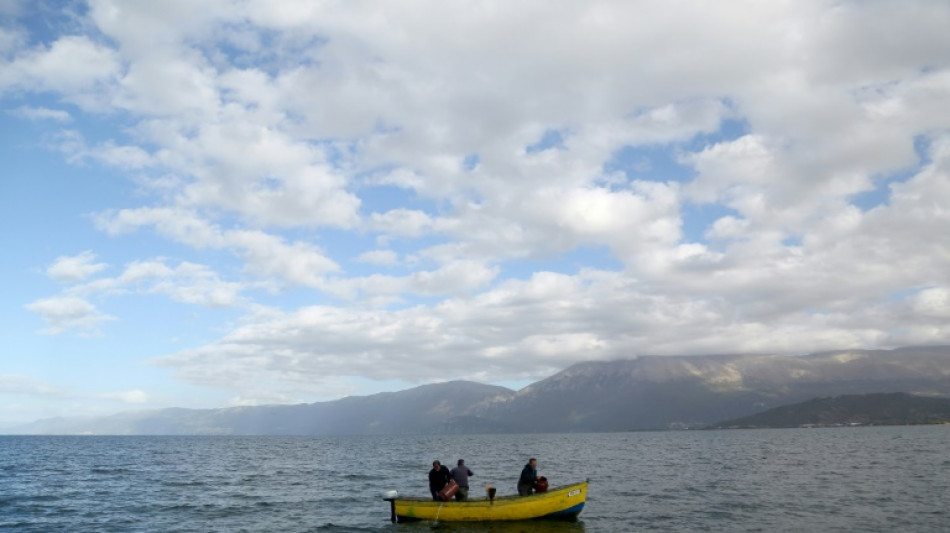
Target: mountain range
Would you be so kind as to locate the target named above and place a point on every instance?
(645, 392)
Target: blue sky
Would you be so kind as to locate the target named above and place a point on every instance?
(240, 203)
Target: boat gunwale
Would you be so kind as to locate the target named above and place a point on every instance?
(484, 499)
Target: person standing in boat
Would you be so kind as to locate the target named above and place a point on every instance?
(438, 478)
(460, 474)
(529, 478)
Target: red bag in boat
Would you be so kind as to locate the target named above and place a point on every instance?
(446, 493)
(541, 485)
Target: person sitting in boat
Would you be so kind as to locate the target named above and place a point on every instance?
(438, 478)
(460, 474)
(529, 478)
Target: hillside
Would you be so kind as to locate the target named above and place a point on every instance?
(857, 409)
(692, 391)
(425, 409)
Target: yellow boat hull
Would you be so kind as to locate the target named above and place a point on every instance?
(560, 503)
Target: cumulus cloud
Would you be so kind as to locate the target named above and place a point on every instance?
(68, 312)
(267, 255)
(74, 66)
(572, 318)
(264, 254)
(186, 283)
(74, 268)
(402, 223)
(123, 157)
(379, 257)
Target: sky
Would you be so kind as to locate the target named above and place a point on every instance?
(244, 202)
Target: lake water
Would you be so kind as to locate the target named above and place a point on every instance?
(844, 479)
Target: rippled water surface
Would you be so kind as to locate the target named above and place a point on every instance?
(848, 479)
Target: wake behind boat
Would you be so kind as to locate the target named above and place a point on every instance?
(557, 503)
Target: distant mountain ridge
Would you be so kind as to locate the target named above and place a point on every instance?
(879, 409)
(646, 392)
(425, 409)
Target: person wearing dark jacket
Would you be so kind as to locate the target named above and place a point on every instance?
(438, 478)
(460, 474)
(529, 478)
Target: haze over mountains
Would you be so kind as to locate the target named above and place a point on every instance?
(648, 392)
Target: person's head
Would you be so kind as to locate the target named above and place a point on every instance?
(533, 462)
(437, 465)
(461, 462)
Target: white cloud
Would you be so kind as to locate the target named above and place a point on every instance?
(74, 268)
(725, 167)
(297, 263)
(402, 223)
(43, 113)
(519, 330)
(380, 290)
(74, 66)
(933, 302)
(187, 283)
(134, 396)
(123, 157)
(178, 225)
(68, 312)
(379, 257)
(198, 285)
(264, 254)
(27, 386)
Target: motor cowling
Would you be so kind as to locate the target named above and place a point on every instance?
(542, 485)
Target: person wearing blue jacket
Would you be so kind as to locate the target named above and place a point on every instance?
(460, 474)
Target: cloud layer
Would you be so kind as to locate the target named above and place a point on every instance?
(493, 191)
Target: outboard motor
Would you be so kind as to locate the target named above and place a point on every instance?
(390, 496)
(542, 485)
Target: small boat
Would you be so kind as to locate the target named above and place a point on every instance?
(557, 503)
